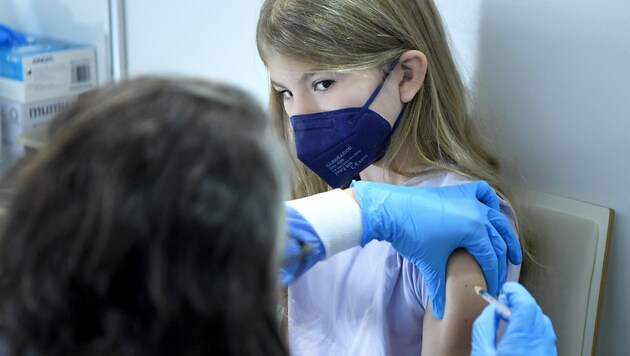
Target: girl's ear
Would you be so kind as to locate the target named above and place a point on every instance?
(414, 66)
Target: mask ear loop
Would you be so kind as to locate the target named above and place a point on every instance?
(377, 90)
(402, 111)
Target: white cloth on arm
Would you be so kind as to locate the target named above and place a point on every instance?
(335, 217)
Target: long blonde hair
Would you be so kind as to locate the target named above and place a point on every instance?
(435, 133)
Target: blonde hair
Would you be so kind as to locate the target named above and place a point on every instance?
(435, 133)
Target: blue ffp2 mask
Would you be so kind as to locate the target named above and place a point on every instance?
(339, 144)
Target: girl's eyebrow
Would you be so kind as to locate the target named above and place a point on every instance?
(276, 84)
(303, 78)
(306, 76)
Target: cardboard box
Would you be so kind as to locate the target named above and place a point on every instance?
(19, 117)
(45, 69)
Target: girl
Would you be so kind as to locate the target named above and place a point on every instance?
(369, 88)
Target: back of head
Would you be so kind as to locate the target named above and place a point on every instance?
(149, 225)
(345, 35)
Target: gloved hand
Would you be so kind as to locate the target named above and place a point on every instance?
(528, 332)
(425, 225)
(303, 248)
(10, 37)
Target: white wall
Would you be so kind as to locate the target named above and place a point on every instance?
(212, 39)
(554, 78)
(73, 20)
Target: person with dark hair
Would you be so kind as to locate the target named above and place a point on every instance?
(142, 228)
(153, 223)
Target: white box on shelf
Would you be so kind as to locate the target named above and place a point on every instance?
(46, 68)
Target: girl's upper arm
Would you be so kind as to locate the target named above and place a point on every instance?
(452, 334)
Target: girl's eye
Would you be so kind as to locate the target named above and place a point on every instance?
(324, 85)
(285, 94)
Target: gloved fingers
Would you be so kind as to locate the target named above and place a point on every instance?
(541, 323)
(525, 310)
(436, 288)
(286, 277)
(302, 249)
(529, 330)
(484, 251)
(362, 193)
(290, 262)
(500, 249)
(504, 228)
(295, 266)
(485, 332)
(486, 195)
(292, 250)
(371, 197)
(488, 320)
(517, 294)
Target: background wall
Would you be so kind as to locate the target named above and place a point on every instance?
(212, 39)
(554, 81)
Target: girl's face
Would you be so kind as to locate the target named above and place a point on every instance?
(305, 91)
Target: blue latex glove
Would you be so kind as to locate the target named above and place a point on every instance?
(425, 225)
(528, 332)
(303, 249)
(9, 37)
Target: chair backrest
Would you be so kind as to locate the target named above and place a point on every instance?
(569, 240)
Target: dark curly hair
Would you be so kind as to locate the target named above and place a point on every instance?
(149, 225)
